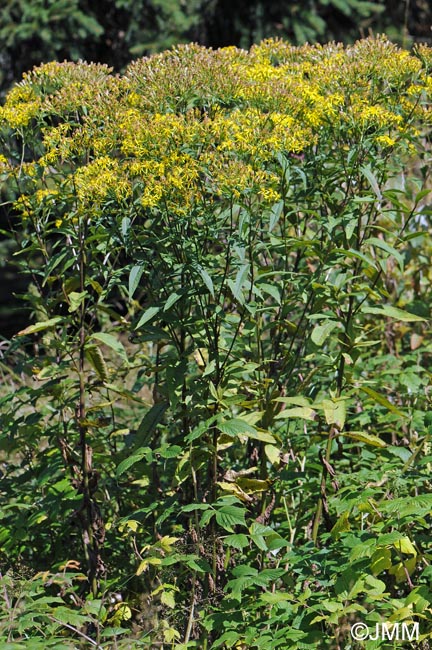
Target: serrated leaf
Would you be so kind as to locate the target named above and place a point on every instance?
(69, 616)
(235, 427)
(190, 507)
(239, 541)
(229, 516)
(276, 597)
(131, 460)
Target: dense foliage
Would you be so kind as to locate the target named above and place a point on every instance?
(219, 412)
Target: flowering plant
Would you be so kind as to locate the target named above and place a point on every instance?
(230, 374)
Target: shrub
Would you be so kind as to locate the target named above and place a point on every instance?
(221, 405)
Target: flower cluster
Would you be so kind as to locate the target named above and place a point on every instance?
(190, 126)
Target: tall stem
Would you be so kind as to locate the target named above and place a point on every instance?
(89, 510)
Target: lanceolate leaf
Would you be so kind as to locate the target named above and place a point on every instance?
(134, 278)
(112, 342)
(380, 243)
(394, 312)
(147, 316)
(95, 357)
(367, 438)
(380, 399)
(320, 333)
(41, 326)
(367, 171)
(149, 423)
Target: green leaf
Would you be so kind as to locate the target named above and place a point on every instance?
(394, 312)
(297, 400)
(112, 342)
(381, 560)
(320, 333)
(303, 412)
(96, 359)
(147, 316)
(239, 541)
(380, 399)
(275, 214)
(404, 545)
(229, 516)
(273, 454)
(335, 411)
(68, 615)
(136, 457)
(168, 599)
(380, 243)
(190, 507)
(235, 427)
(368, 438)
(367, 172)
(174, 297)
(240, 281)
(202, 428)
(420, 597)
(341, 526)
(207, 279)
(134, 278)
(149, 423)
(75, 300)
(41, 326)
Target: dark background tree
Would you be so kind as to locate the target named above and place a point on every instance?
(115, 31)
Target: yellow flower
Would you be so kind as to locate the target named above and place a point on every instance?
(385, 140)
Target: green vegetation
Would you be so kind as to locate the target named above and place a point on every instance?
(219, 411)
